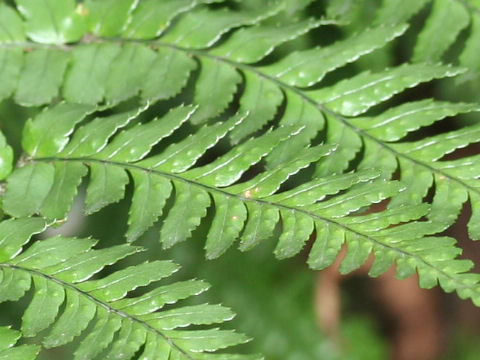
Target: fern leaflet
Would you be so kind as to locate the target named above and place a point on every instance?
(8, 338)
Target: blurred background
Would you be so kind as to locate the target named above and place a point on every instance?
(291, 312)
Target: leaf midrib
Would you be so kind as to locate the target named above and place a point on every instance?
(98, 302)
(261, 202)
(281, 84)
(339, 117)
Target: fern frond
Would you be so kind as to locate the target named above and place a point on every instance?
(283, 108)
(248, 210)
(66, 300)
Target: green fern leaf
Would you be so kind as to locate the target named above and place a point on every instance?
(34, 183)
(222, 81)
(265, 39)
(451, 15)
(66, 301)
(303, 68)
(151, 18)
(441, 32)
(53, 140)
(52, 22)
(356, 95)
(204, 27)
(397, 122)
(8, 338)
(352, 169)
(32, 83)
(107, 17)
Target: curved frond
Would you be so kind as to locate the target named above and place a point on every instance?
(284, 108)
(66, 300)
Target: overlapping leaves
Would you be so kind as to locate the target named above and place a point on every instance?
(8, 338)
(249, 210)
(443, 26)
(67, 300)
(155, 60)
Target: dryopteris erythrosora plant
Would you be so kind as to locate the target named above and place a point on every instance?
(94, 55)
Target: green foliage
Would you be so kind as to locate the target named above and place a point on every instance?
(449, 24)
(66, 300)
(8, 339)
(206, 110)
